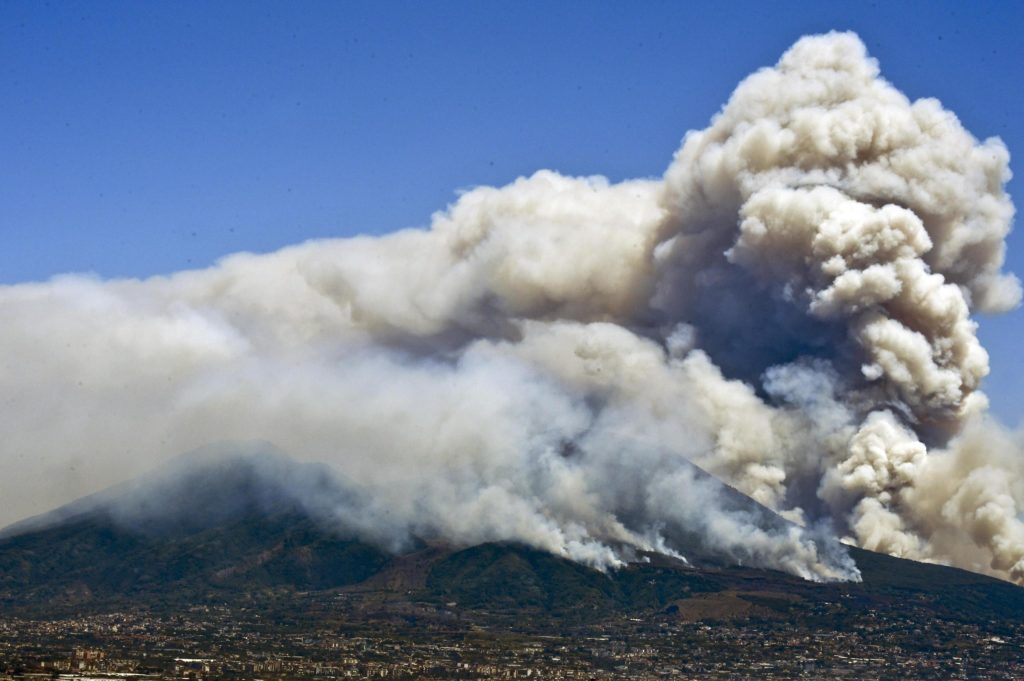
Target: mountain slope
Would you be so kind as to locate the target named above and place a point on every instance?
(507, 577)
(96, 560)
(232, 530)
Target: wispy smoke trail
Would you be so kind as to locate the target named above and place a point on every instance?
(788, 308)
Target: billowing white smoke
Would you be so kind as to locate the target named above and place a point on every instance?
(787, 308)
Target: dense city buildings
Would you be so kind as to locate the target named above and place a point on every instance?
(357, 635)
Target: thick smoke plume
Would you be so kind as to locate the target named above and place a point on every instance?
(787, 308)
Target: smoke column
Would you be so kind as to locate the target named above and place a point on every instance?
(787, 308)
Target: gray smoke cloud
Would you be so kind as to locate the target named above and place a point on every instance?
(787, 308)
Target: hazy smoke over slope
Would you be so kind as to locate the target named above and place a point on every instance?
(787, 308)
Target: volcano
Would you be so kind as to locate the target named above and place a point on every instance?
(231, 529)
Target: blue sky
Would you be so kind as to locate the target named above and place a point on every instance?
(144, 138)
